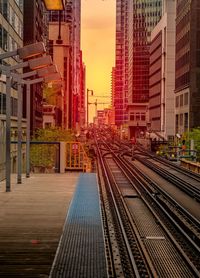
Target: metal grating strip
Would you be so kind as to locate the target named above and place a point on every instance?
(81, 250)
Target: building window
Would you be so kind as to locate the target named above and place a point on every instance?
(4, 8)
(177, 125)
(14, 107)
(2, 103)
(3, 38)
(181, 100)
(181, 119)
(186, 99)
(137, 116)
(185, 121)
(177, 101)
(132, 117)
(48, 125)
(143, 118)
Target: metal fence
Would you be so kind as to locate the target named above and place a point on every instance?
(44, 157)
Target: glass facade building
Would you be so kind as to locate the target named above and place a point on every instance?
(146, 14)
(187, 72)
(135, 20)
(121, 62)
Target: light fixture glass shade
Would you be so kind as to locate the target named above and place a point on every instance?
(54, 77)
(47, 70)
(31, 50)
(54, 5)
(40, 62)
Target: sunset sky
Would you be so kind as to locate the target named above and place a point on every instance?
(98, 45)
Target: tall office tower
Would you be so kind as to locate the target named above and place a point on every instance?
(162, 73)
(187, 82)
(113, 87)
(143, 16)
(72, 16)
(82, 104)
(11, 38)
(121, 63)
(76, 33)
(35, 30)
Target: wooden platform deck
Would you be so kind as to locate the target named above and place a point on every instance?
(32, 216)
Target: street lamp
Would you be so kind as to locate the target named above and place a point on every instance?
(34, 64)
(18, 78)
(39, 63)
(54, 5)
(25, 52)
(49, 78)
(47, 70)
(88, 104)
(53, 77)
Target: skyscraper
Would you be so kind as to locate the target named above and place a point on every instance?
(162, 73)
(121, 63)
(72, 15)
(187, 76)
(143, 16)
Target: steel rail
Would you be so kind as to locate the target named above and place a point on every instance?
(119, 219)
(153, 198)
(186, 172)
(131, 256)
(190, 189)
(158, 190)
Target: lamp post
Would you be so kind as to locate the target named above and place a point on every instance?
(26, 52)
(88, 104)
(49, 78)
(43, 72)
(54, 5)
(19, 121)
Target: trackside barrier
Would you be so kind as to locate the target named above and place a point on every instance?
(75, 157)
(193, 166)
(52, 157)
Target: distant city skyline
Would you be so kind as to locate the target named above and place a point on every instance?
(98, 44)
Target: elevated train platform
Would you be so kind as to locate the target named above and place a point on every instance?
(50, 226)
(81, 250)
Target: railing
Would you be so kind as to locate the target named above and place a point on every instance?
(44, 157)
(48, 157)
(193, 166)
(76, 157)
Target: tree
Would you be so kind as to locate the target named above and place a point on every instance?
(51, 92)
(194, 134)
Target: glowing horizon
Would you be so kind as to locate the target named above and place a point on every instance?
(98, 45)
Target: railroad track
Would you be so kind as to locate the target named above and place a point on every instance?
(157, 236)
(167, 163)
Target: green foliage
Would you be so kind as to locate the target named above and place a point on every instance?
(45, 155)
(194, 134)
(53, 134)
(50, 93)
